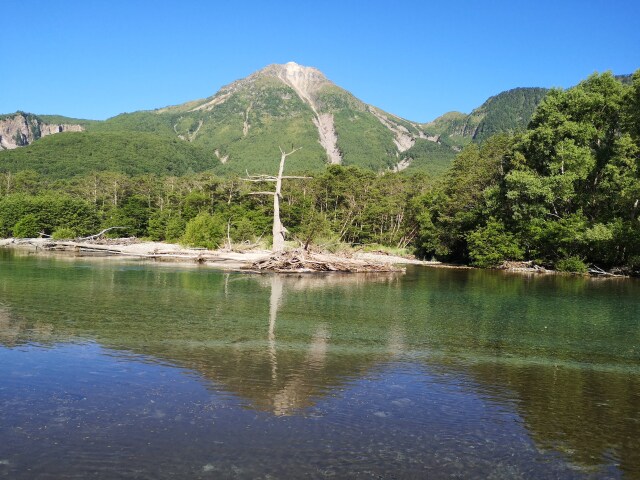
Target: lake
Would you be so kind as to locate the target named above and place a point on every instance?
(112, 369)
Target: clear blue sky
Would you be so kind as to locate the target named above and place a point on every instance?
(416, 59)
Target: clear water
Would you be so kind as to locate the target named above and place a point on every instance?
(133, 370)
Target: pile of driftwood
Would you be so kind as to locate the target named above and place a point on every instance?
(301, 261)
(526, 267)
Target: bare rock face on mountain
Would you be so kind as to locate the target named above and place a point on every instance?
(21, 129)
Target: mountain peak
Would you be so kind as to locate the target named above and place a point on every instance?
(306, 81)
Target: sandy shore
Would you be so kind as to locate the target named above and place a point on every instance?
(170, 252)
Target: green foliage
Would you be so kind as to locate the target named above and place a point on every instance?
(313, 226)
(63, 233)
(51, 212)
(77, 153)
(135, 215)
(491, 245)
(243, 230)
(174, 229)
(429, 157)
(572, 265)
(27, 227)
(507, 112)
(565, 190)
(205, 230)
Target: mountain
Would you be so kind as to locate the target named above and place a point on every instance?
(244, 123)
(509, 111)
(241, 127)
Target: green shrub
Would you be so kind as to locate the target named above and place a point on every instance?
(205, 230)
(27, 227)
(174, 229)
(243, 231)
(572, 265)
(491, 245)
(63, 233)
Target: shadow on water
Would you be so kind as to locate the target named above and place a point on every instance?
(559, 355)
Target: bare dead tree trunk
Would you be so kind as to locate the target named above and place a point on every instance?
(278, 230)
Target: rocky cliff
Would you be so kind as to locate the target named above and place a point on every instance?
(20, 129)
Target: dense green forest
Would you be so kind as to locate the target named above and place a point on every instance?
(66, 155)
(564, 193)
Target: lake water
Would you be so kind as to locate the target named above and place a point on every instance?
(133, 370)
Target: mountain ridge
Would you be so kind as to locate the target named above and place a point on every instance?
(241, 126)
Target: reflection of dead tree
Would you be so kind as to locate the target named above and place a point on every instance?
(296, 389)
(279, 231)
(274, 304)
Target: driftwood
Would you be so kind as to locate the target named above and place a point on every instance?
(101, 233)
(525, 267)
(598, 272)
(299, 261)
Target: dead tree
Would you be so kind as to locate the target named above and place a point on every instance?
(279, 231)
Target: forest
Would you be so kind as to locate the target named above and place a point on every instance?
(564, 193)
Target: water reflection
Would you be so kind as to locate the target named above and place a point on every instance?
(592, 418)
(294, 394)
(558, 357)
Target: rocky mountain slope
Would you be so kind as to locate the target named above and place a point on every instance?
(20, 129)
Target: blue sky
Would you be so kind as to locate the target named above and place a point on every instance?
(416, 59)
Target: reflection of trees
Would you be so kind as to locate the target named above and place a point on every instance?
(298, 374)
(14, 331)
(590, 415)
(9, 330)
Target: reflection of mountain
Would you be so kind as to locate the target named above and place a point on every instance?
(277, 368)
(561, 352)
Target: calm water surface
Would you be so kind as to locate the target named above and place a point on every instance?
(130, 370)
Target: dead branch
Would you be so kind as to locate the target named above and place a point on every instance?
(99, 234)
(259, 179)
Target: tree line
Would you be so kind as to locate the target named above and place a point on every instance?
(565, 193)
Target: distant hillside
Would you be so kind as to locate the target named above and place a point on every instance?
(69, 154)
(508, 111)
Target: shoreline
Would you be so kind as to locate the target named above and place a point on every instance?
(243, 261)
(223, 259)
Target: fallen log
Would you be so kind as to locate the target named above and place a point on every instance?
(99, 234)
(598, 272)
